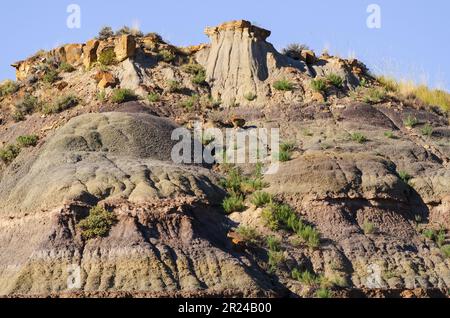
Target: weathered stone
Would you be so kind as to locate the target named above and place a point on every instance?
(90, 53)
(125, 47)
(61, 85)
(108, 80)
(73, 53)
(308, 56)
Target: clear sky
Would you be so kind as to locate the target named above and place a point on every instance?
(413, 41)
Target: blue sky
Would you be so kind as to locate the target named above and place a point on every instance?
(413, 42)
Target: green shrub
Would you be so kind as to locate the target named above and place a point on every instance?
(305, 277)
(283, 85)
(287, 146)
(173, 86)
(233, 203)
(410, 122)
(429, 234)
(375, 95)
(18, 116)
(273, 244)
(199, 78)
(98, 223)
(166, 56)
(107, 57)
(359, 138)
(324, 293)
(368, 228)
(153, 98)
(427, 130)
(233, 181)
(122, 95)
(335, 80)
(60, 105)
(405, 176)
(27, 141)
(319, 85)
(7, 88)
(275, 260)
(440, 238)
(190, 102)
(50, 76)
(284, 156)
(446, 251)
(294, 50)
(9, 153)
(389, 134)
(248, 234)
(101, 96)
(105, 33)
(309, 235)
(27, 105)
(261, 199)
(250, 96)
(192, 68)
(66, 67)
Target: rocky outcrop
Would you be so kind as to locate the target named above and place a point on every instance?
(240, 62)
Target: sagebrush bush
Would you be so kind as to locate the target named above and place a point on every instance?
(261, 199)
(192, 68)
(319, 85)
(335, 80)
(61, 104)
(233, 203)
(368, 228)
(359, 138)
(27, 141)
(199, 78)
(8, 87)
(411, 122)
(284, 156)
(50, 76)
(283, 85)
(248, 234)
(66, 67)
(324, 292)
(275, 260)
(105, 33)
(153, 97)
(97, 224)
(427, 130)
(9, 153)
(122, 95)
(190, 102)
(27, 105)
(173, 86)
(107, 57)
(166, 56)
(389, 134)
(375, 95)
(305, 277)
(446, 251)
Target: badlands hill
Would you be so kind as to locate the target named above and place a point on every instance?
(91, 203)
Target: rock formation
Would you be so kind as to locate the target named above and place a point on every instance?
(365, 168)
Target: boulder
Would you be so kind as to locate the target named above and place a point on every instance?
(73, 53)
(308, 56)
(125, 47)
(108, 80)
(90, 53)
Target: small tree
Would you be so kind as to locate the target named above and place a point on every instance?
(294, 50)
(105, 33)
